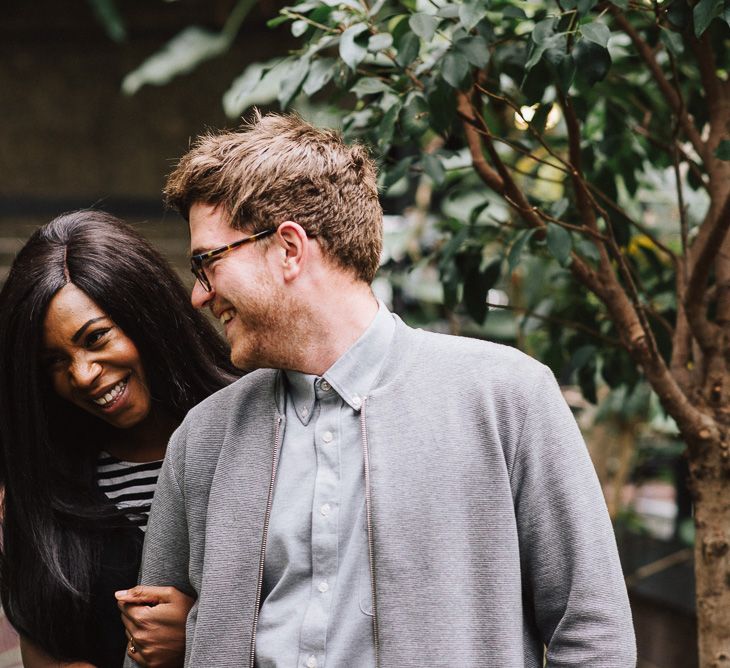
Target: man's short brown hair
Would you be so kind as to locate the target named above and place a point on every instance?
(279, 167)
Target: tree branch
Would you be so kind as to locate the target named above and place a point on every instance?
(474, 142)
(528, 313)
(666, 88)
(704, 331)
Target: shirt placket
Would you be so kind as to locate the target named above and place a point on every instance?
(325, 514)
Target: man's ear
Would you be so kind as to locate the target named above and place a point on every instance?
(293, 248)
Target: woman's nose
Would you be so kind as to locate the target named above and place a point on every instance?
(84, 372)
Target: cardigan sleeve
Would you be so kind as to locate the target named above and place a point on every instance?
(165, 557)
(571, 569)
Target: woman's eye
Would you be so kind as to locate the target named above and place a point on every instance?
(96, 336)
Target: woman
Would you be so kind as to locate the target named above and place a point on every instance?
(101, 356)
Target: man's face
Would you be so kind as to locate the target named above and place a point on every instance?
(245, 295)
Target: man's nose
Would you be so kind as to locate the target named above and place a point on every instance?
(84, 372)
(199, 298)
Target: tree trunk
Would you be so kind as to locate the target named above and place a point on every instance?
(710, 475)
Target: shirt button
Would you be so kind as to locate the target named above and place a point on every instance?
(312, 662)
(325, 509)
(325, 386)
(304, 412)
(356, 401)
(327, 437)
(323, 587)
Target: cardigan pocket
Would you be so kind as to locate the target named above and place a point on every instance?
(364, 589)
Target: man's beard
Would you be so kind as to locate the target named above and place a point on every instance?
(270, 329)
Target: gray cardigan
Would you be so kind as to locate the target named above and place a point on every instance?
(490, 535)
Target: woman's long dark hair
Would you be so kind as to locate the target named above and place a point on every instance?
(53, 515)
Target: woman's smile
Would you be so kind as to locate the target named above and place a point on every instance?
(91, 362)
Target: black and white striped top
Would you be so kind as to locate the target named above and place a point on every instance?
(129, 485)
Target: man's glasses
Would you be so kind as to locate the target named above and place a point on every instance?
(197, 262)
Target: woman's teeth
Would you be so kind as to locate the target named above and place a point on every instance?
(226, 316)
(112, 394)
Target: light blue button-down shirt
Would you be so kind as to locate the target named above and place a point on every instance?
(317, 605)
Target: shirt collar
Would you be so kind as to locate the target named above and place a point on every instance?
(353, 374)
(300, 388)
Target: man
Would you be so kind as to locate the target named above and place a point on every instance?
(372, 495)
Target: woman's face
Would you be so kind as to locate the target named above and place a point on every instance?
(91, 362)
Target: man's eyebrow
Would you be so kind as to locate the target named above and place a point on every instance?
(84, 327)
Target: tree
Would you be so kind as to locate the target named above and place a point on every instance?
(558, 115)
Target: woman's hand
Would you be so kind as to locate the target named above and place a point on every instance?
(154, 618)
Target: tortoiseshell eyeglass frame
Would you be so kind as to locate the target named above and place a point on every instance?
(197, 262)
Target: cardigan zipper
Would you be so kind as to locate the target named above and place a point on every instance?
(371, 542)
(262, 556)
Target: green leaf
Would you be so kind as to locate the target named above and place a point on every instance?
(587, 381)
(350, 51)
(414, 116)
(291, 84)
(592, 61)
(704, 12)
(397, 172)
(182, 54)
(543, 31)
(424, 25)
(559, 243)
(370, 86)
(380, 42)
(442, 107)
(539, 119)
(298, 28)
(107, 13)
(386, 128)
(433, 167)
(673, 41)
(722, 152)
(621, 4)
(408, 49)
(450, 248)
(470, 13)
(352, 4)
(454, 69)
(277, 21)
(320, 74)
(557, 209)
(304, 7)
(585, 6)
(515, 252)
(474, 49)
(679, 14)
(561, 65)
(582, 356)
(258, 84)
(596, 32)
(477, 285)
(536, 52)
(512, 12)
(448, 11)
